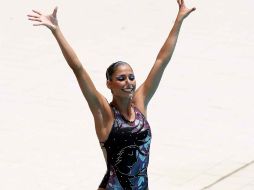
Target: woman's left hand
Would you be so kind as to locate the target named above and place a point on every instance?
(183, 10)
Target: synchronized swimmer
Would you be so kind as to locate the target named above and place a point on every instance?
(121, 125)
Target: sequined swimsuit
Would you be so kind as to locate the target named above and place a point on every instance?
(127, 153)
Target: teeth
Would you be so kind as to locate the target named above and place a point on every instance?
(128, 90)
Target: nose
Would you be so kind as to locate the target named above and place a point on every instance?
(130, 83)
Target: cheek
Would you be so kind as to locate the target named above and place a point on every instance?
(116, 88)
(117, 85)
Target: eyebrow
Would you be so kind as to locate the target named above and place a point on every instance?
(125, 74)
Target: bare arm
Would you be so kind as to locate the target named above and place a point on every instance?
(93, 97)
(148, 88)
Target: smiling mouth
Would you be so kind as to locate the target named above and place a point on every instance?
(129, 90)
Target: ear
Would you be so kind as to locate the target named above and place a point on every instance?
(108, 84)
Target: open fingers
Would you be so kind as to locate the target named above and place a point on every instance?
(180, 2)
(37, 24)
(34, 19)
(39, 13)
(32, 16)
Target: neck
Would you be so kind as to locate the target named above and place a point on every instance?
(124, 105)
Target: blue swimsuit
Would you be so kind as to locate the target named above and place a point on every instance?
(127, 153)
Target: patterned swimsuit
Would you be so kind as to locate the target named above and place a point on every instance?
(127, 153)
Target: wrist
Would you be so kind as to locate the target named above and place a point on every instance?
(55, 29)
(179, 18)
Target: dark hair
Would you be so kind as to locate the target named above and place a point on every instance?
(111, 69)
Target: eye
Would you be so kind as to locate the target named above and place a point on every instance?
(121, 78)
(131, 77)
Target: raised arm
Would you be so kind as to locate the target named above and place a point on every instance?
(92, 96)
(148, 88)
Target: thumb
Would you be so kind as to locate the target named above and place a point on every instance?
(55, 11)
(192, 9)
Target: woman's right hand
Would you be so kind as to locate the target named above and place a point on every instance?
(49, 21)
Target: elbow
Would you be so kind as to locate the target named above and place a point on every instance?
(76, 68)
(75, 65)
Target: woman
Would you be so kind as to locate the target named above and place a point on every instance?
(121, 125)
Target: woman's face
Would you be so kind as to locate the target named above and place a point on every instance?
(123, 83)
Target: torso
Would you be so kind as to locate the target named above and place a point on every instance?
(126, 151)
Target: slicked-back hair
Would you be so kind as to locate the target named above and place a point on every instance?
(112, 68)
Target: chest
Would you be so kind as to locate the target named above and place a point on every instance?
(129, 134)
